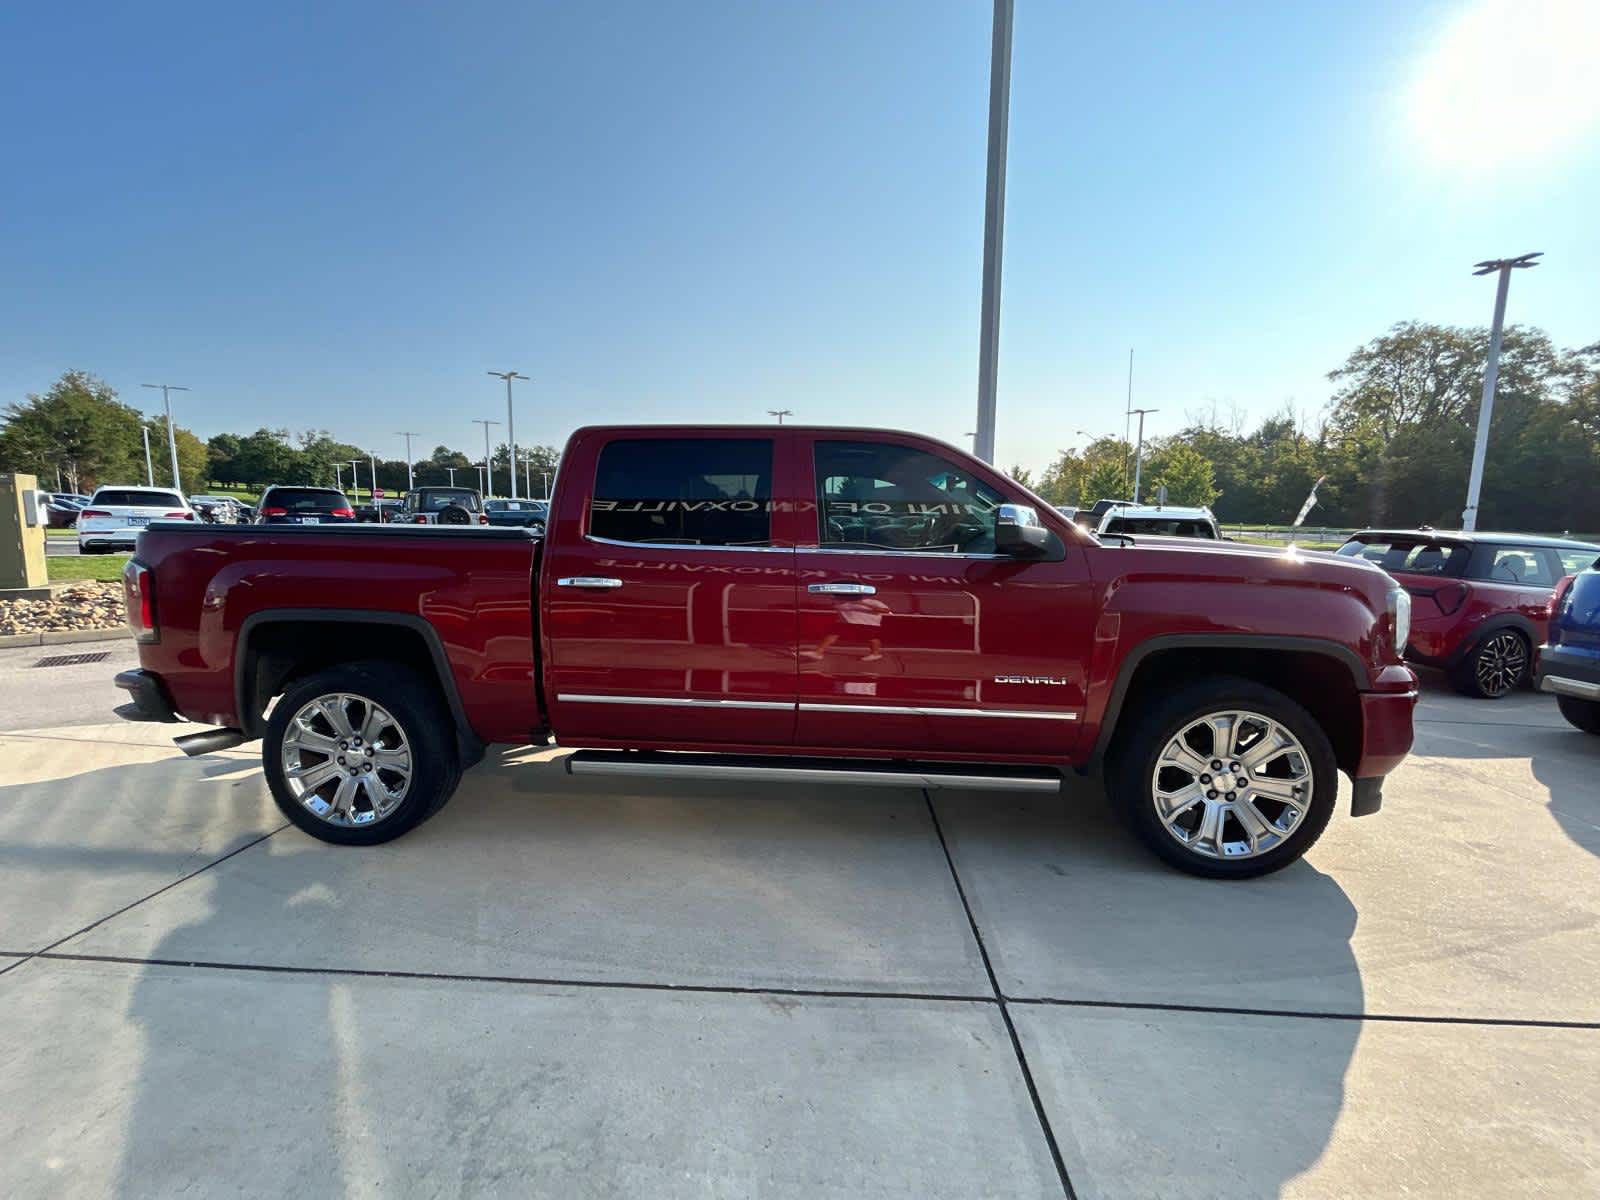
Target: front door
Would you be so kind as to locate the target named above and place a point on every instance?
(915, 635)
(671, 618)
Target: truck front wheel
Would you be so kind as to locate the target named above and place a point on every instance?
(1226, 778)
(359, 754)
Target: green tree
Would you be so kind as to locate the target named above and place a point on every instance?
(1185, 473)
(78, 428)
(1103, 480)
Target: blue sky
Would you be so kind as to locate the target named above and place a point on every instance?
(341, 215)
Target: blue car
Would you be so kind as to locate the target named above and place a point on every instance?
(1569, 664)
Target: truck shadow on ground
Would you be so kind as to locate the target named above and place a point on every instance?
(529, 872)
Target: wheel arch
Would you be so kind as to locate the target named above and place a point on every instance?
(275, 647)
(1324, 677)
(1498, 623)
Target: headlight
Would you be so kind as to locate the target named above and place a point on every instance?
(1400, 614)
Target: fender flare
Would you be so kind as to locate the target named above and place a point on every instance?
(468, 743)
(1498, 623)
(1340, 653)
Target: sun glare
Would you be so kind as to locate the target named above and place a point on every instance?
(1509, 81)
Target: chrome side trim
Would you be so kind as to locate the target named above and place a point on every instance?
(933, 781)
(674, 701)
(897, 710)
(1561, 685)
(605, 541)
(890, 550)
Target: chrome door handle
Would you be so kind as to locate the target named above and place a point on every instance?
(842, 589)
(589, 581)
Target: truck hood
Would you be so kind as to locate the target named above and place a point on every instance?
(1185, 555)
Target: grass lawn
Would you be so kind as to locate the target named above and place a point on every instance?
(64, 568)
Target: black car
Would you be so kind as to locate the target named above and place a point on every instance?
(288, 505)
(526, 514)
(379, 512)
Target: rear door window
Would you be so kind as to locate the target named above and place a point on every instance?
(115, 498)
(882, 496)
(1529, 565)
(684, 491)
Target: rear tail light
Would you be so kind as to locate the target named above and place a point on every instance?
(419, 519)
(483, 518)
(274, 512)
(1450, 597)
(139, 597)
(344, 512)
(181, 516)
(93, 512)
(1559, 596)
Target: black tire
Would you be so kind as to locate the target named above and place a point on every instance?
(1583, 714)
(454, 514)
(1482, 673)
(416, 708)
(1131, 774)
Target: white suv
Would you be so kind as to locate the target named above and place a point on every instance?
(114, 516)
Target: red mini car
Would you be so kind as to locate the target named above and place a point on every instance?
(1479, 600)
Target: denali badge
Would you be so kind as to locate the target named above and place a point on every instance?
(1050, 679)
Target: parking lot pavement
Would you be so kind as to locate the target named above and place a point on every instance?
(558, 987)
(32, 697)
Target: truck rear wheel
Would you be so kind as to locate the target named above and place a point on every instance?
(359, 754)
(1226, 778)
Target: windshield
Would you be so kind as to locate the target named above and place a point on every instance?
(1161, 527)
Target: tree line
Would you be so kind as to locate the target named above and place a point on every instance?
(1394, 441)
(78, 435)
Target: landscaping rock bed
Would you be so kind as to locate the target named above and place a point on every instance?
(79, 606)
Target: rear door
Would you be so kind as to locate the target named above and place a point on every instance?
(915, 635)
(668, 592)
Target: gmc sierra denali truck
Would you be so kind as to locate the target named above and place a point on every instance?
(833, 606)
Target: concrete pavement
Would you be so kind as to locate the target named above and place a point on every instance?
(561, 988)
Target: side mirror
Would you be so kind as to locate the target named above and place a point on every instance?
(1017, 532)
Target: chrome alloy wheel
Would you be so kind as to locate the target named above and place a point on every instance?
(1502, 661)
(346, 759)
(1232, 785)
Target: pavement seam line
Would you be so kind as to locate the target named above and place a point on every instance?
(1000, 1003)
(1309, 1015)
(519, 980)
(135, 904)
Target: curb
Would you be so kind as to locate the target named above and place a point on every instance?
(62, 637)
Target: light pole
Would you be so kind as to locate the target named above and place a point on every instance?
(1126, 417)
(355, 476)
(408, 435)
(373, 460)
(1138, 462)
(994, 223)
(511, 427)
(452, 471)
(172, 438)
(780, 413)
(1491, 375)
(545, 475)
(488, 461)
(338, 476)
(149, 470)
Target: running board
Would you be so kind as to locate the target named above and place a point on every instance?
(759, 768)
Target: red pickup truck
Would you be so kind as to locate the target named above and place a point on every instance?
(843, 606)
